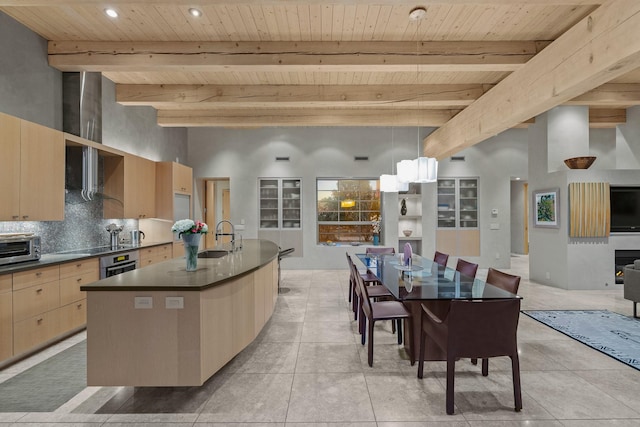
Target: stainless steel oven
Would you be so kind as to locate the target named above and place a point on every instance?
(118, 263)
(19, 247)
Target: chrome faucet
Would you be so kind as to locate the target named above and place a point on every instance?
(219, 232)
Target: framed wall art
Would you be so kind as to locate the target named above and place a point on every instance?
(546, 208)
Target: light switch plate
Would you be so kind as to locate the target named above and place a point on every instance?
(494, 226)
(174, 302)
(143, 302)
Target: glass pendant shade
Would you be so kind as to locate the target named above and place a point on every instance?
(427, 169)
(390, 184)
(407, 171)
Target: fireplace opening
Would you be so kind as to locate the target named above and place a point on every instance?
(622, 258)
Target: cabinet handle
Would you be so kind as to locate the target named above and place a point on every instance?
(79, 280)
(15, 216)
(78, 265)
(39, 320)
(39, 273)
(38, 290)
(79, 305)
(25, 216)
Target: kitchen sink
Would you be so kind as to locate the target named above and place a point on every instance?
(212, 254)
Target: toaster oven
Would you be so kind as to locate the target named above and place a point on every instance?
(16, 247)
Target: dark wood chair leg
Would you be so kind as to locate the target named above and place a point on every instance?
(517, 392)
(474, 361)
(370, 350)
(635, 307)
(421, 354)
(361, 326)
(485, 367)
(399, 330)
(451, 367)
(408, 333)
(350, 288)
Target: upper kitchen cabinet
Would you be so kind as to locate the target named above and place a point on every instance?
(129, 187)
(174, 186)
(31, 171)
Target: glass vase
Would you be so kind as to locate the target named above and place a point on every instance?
(191, 246)
(376, 239)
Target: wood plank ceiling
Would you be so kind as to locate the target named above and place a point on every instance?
(249, 63)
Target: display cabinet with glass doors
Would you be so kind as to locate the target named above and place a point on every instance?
(280, 203)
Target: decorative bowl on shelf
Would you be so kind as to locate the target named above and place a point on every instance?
(407, 233)
(583, 162)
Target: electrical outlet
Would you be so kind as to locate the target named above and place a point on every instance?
(174, 302)
(143, 302)
(497, 255)
(547, 275)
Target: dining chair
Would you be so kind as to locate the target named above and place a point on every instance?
(474, 329)
(507, 282)
(379, 250)
(379, 310)
(467, 268)
(441, 258)
(375, 291)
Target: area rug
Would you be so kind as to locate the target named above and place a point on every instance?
(47, 385)
(611, 333)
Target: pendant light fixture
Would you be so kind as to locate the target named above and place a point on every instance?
(423, 169)
(390, 183)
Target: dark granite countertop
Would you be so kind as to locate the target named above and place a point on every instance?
(171, 275)
(74, 255)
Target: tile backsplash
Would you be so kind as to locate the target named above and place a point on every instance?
(83, 226)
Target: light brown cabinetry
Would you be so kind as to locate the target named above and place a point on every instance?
(130, 184)
(155, 254)
(31, 171)
(73, 301)
(37, 306)
(174, 184)
(178, 249)
(6, 317)
(36, 298)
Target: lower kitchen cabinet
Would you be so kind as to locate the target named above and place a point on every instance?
(73, 315)
(6, 317)
(178, 249)
(35, 300)
(76, 274)
(34, 331)
(155, 254)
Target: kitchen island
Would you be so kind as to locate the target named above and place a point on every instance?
(164, 326)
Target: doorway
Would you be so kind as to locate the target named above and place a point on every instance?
(217, 207)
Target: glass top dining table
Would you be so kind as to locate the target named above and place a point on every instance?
(426, 280)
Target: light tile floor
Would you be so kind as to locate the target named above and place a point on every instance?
(308, 367)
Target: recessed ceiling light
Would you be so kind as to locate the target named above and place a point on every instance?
(417, 13)
(111, 13)
(195, 12)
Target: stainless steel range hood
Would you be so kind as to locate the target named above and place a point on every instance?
(82, 116)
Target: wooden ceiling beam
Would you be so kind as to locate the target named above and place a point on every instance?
(607, 117)
(602, 46)
(609, 95)
(303, 117)
(288, 2)
(292, 56)
(287, 96)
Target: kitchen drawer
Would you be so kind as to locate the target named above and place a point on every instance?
(35, 331)
(71, 269)
(70, 286)
(178, 249)
(35, 300)
(6, 326)
(5, 283)
(73, 315)
(155, 254)
(25, 279)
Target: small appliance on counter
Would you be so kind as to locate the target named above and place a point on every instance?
(114, 230)
(135, 237)
(19, 247)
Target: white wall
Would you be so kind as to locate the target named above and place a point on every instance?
(555, 259)
(245, 155)
(518, 196)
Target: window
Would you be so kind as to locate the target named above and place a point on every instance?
(346, 208)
